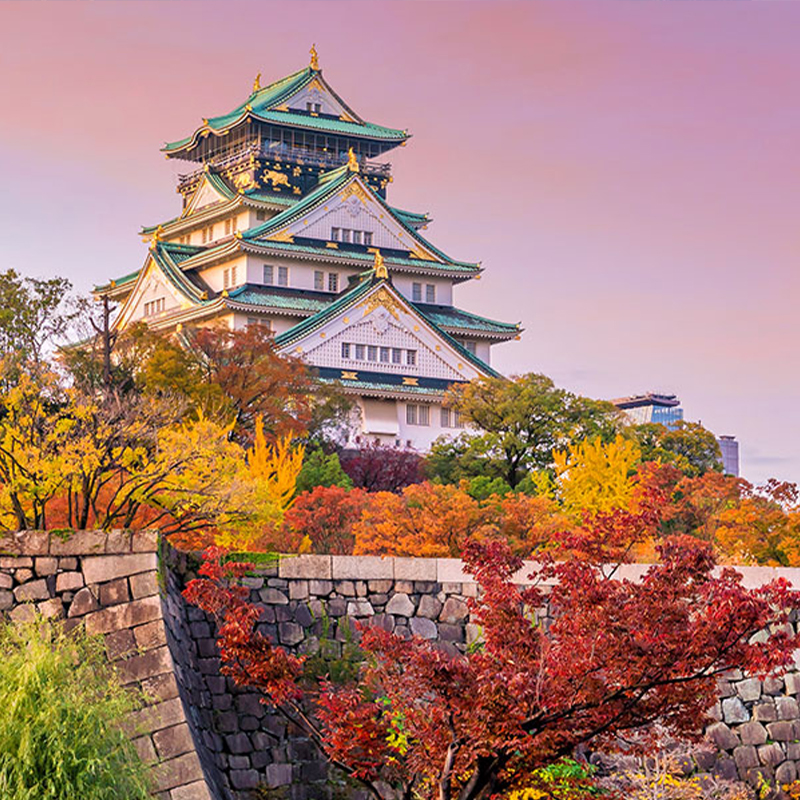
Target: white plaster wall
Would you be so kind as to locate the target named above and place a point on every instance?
(301, 275)
(214, 276)
(444, 287)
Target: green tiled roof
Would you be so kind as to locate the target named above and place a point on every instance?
(262, 106)
(410, 217)
(329, 184)
(273, 297)
(451, 317)
(366, 386)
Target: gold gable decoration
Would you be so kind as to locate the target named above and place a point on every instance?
(257, 83)
(314, 58)
(382, 298)
(380, 266)
(281, 236)
(352, 161)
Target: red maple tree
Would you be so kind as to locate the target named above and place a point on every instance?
(610, 658)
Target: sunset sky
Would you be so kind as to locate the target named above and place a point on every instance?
(627, 172)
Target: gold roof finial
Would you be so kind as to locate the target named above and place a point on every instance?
(352, 161)
(314, 57)
(257, 83)
(380, 266)
(156, 237)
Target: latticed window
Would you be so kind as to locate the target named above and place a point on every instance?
(319, 280)
(333, 281)
(416, 292)
(430, 293)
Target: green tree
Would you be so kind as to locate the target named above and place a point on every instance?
(60, 713)
(517, 424)
(689, 446)
(320, 469)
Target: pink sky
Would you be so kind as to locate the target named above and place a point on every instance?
(627, 172)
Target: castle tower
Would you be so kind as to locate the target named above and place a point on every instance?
(285, 222)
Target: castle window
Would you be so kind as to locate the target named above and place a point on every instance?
(155, 307)
(283, 276)
(368, 238)
(470, 345)
(333, 281)
(269, 274)
(430, 293)
(416, 292)
(372, 353)
(346, 235)
(385, 355)
(445, 417)
(418, 414)
(457, 421)
(359, 352)
(356, 237)
(424, 415)
(317, 108)
(411, 358)
(345, 350)
(208, 234)
(411, 414)
(336, 234)
(228, 225)
(397, 356)
(261, 215)
(319, 280)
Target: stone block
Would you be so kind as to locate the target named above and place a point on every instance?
(749, 689)
(174, 741)
(337, 607)
(15, 562)
(773, 686)
(244, 778)
(23, 613)
(160, 687)
(451, 633)
(239, 743)
(733, 710)
(454, 611)
(115, 592)
(346, 588)
(473, 632)
(45, 565)
(127, 615)
(100, 569)
(752, 733)
(137, 668)
(722, 736)
(771, 755)
(401, 605)
(290, 633)
(415, 569)
(725, 768)
(765, 711)
(118, 541)
(420, 626)
(380, 586)
(51, 609)
(6, 599)
(361, 568)
(80, 543)
(178, 771)
(793, 751)
(305, 566)
(451, 570)
(26, 543)
(785, 773)
(145, 541)
(360, 608)
(69, 581)
(150, 635)
(745, 757)
(428, 607)
(787, 708)
(320, 588)
(23, 575)
(792, 681)
(273, 597)
(84, 602)
(782, 731)
(33, 590)
(156, 717)
(6, 581)
(120, 644)
(144, 747)
(279, 775)
(192, 791)
(144, 584)
(298, 590)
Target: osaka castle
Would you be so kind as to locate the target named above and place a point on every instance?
(285, 221)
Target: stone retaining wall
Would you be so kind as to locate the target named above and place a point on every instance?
(213, 741)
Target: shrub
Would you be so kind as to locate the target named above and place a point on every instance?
(60, 707)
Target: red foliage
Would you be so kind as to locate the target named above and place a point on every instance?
(326, 515)
(617, 656)
(378, 468)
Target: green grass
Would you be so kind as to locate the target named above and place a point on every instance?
(60, 714)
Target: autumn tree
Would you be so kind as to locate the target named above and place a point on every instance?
(689, 446)
(516, 424)
(378, 467)
(322, 469)
(617, 657)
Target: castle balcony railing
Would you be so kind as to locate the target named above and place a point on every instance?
(284, 152)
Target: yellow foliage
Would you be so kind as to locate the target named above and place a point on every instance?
(595, 477)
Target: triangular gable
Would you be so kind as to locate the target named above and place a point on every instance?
(322, 98)
(154, 282)
(381, 317)
(348, 204)
(207, 193)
